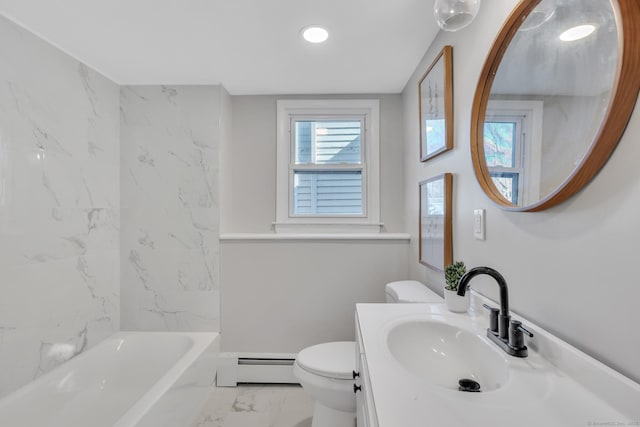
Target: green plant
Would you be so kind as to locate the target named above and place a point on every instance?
(453, 273)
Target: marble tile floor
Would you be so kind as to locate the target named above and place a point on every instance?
(257, 406)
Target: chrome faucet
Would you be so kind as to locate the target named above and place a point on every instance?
(507, 334)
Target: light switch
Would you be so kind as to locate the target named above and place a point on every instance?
(478, 224)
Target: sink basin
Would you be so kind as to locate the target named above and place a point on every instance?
(443, 354)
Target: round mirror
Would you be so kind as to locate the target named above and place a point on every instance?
(554, 98)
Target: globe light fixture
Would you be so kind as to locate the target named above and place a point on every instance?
(453, 15)
(543, 12)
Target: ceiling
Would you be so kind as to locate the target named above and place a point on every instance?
(537, 62)
(249, 46)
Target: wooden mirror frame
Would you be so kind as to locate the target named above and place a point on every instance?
(624, 94)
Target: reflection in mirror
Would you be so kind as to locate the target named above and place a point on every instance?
(567, 82)
(512, 148)
(546, 98)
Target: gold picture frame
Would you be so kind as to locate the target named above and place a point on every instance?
(435, 106)
(435, 247)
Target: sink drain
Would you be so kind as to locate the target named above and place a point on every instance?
(466, 384)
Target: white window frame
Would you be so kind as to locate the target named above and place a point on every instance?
(529, 149)
(367, 110)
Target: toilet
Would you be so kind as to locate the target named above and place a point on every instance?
(325, 371)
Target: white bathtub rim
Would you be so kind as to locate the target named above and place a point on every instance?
(27, 388)
(201, 341)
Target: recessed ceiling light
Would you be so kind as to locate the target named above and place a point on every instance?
(577, 33)
(314, 34)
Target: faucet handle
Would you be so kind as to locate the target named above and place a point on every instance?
(516, 339)
(518, 325)
(493, 318)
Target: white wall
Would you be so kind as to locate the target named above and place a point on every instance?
(170, 208)
(59, 207)
(573, 268)
(281, 296)
(284, 296)
(251, 162)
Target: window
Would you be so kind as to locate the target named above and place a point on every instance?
(328, 166)
(327, 170)
(512, 140)
(503, 148)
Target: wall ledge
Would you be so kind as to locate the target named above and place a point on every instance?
(398, 237)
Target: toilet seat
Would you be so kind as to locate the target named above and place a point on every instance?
(334, 360)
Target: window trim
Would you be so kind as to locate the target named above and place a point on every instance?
(530, 142)
(287, 111)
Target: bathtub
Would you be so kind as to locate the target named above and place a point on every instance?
(140, 379)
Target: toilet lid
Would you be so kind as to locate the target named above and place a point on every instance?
(331, 360)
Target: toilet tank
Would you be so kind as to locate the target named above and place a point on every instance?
(407, 291)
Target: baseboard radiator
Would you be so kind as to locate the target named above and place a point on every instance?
(239, 368)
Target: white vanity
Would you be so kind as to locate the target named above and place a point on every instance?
(410, 358)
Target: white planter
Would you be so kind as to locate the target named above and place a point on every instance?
(455, 302)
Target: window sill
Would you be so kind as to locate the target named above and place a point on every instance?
(327, 227)
(398, 237)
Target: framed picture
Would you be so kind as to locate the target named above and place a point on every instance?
(435, 247)
(435, 106)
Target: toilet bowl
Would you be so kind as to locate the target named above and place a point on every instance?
(325, 371)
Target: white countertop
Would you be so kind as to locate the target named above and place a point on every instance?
(556, 385)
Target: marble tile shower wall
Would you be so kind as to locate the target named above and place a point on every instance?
(59, 207)
(169, 208)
